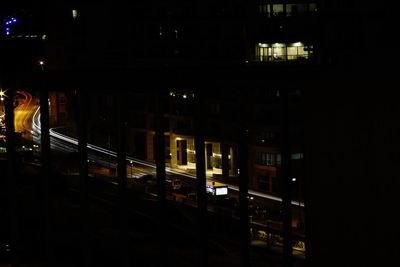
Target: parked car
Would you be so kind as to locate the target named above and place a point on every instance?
(174, 184)
(147, 179)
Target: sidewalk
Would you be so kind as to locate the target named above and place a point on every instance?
(277, 249)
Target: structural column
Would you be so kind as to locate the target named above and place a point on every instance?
(11, 182)
(46, 169)
(122, 179)
(161, 176)
(286, 182)
(244, 184)
(225, 159)
(201, 181)
(83, 171)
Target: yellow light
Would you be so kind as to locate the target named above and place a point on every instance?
(278, 45)
(74, 13)
(191, 151)
(41, 62)
(297, 44)
(2, 94)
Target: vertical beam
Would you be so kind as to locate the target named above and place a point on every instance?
(200, 180)
(225, 159)
(121, 177)
(244, 184)
(286, 182)
(46, 166)
(11, 183)
(161, 177)
(83, 171)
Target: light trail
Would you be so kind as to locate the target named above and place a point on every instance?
(28, 98)
(74, 141)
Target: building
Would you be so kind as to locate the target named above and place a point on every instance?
(317, 53)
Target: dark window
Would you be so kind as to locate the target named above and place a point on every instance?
(264, 182)
(267, 159)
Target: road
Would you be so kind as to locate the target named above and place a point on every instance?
(101, 155)
(102, 159)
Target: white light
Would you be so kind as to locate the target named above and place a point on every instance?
(294, 179)
(191, 151)
(297, 44)
(184, 96)
(278, 45)
(220, 191)
(74, 13)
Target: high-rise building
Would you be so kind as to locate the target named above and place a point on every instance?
(300, 78)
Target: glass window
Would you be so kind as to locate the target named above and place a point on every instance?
(277, 10)
(282, 52)
(295, 9)
(312, 7)
(263, 183)
(74, 13)
(278, 159)
(292, 52)
(267, 159)
(297, 156)
(263, 52)
(278, 51)
(265, 9)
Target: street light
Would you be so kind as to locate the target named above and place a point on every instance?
(41, 63)
(2, 95)
(300, 221)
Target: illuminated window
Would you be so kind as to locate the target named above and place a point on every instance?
(264, 9)
(283, 52)
(278, 159)
(74, 13)
(298, 51)
(278, 51)
(297, 156)
(277, 10)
